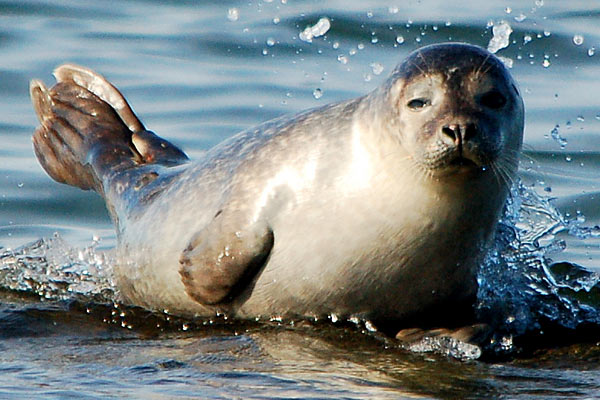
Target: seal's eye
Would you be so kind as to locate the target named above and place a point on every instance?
(493, 99)
(417, 104)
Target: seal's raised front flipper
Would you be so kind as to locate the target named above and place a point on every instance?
(221, 261)
(88, 131)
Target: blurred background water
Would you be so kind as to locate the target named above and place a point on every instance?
(199, 71)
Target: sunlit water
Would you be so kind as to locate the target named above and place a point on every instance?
(197, 73)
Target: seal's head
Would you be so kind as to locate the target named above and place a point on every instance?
(457, 110)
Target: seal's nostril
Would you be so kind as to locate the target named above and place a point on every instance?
(469, 132)
(460, 133)
(453, 132)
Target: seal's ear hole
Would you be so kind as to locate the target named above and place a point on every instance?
(418, 104)
(493, 99)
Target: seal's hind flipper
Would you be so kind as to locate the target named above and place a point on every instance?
(88, 131)
(102, 88)
(157, 150)
(79, 137)
(221, 261)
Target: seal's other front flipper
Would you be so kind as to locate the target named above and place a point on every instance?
(221, 261)
(88, 131)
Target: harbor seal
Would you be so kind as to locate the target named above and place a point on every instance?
(379, 207)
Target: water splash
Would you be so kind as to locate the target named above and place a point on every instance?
(54, 270)
(501, 37)
(520, 287)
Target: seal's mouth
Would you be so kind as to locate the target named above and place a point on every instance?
(462, 165)
(463, 162)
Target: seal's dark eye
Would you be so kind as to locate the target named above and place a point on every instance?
(493, 100)
(417, 104)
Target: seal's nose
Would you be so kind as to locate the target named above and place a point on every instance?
(459, 133)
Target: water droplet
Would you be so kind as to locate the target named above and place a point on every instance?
(360, 46)
(276, 20)
(578, 40)
(335, 45)
(546, 63)
(369, 14)
(393, 10)
(233, 14)
(374, 40)
(521, 17)
(370, 327)
(318, 29)
(591, 51)
(527, 39)
(507, 61)
(434, 28)
(568, 159)
(539, 3)
(20, 185)
(547, 33)
(508, 10)
(270, 42)
(317, 93)
(506, 342)
(265, 52)
(334, 318)
(399, 39)
(377, 68)
(501, 37)
(580, 118)
(555, 134)
(343, 59)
